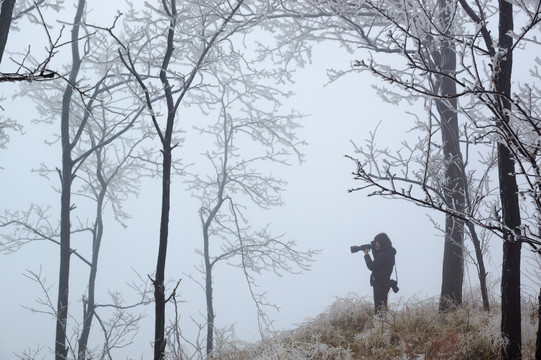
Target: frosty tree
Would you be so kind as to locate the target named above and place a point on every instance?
(93, 114)
(446, 55)
(250, 134)
(357, 25)
(482, 77)
(167, 51)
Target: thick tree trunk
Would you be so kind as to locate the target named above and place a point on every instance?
(511, 309)
(453, 264)
(454, 191)
(510, 283)
(6, 14)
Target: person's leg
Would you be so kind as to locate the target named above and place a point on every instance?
(376, 300)
(384, 296)
(380, 299)
(381, 294)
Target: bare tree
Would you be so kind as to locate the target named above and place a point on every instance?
(444, 58)
(66, 175)
(78, 129)
(491, 94)
(107, 164)
(357, 25)
(450, 55)
(249, 135)
(180, 41)
(112, 175)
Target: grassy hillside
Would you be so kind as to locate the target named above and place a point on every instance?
(411, 330)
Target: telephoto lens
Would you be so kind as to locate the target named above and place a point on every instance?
(363, 247)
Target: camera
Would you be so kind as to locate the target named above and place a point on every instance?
(364, 247)
(394, 285)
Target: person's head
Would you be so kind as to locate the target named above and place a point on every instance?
(382, 241)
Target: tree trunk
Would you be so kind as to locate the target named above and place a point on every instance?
(97, 236)
(454, 190)
(61, 351)
(453, 264)
(510, 283)
(159, 281)
(208, 273)
(63, 282)
(538, 341)
(511, 309)
(481, 271)
(209, 297)
(6, 14)
(90, 305)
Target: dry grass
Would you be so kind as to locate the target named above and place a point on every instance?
(411, 330)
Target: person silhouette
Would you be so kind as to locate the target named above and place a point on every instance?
(381, 267)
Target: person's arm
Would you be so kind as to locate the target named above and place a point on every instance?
(378, 264)
(368, 260)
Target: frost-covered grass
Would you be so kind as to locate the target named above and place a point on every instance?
(411, 330)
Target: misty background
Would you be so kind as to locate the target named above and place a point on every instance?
(318, 213)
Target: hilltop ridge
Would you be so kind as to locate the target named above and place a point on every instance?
(413, 329)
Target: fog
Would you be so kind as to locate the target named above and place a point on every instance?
(319, 213)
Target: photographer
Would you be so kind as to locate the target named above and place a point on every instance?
(381, 267)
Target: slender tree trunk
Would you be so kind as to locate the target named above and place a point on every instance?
(6, 14)
(166, 138)
(222, 181)
(88, 314)
(538, 341)
(481, 271)
(454, 191)
(208, 267)
(61, 351)
(159, 281)
(65, 252)
(511, 308)
(209, 295)
(96, 244)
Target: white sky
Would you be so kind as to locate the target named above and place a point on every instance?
(319, 213)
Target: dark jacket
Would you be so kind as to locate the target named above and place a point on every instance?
(383, 263)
